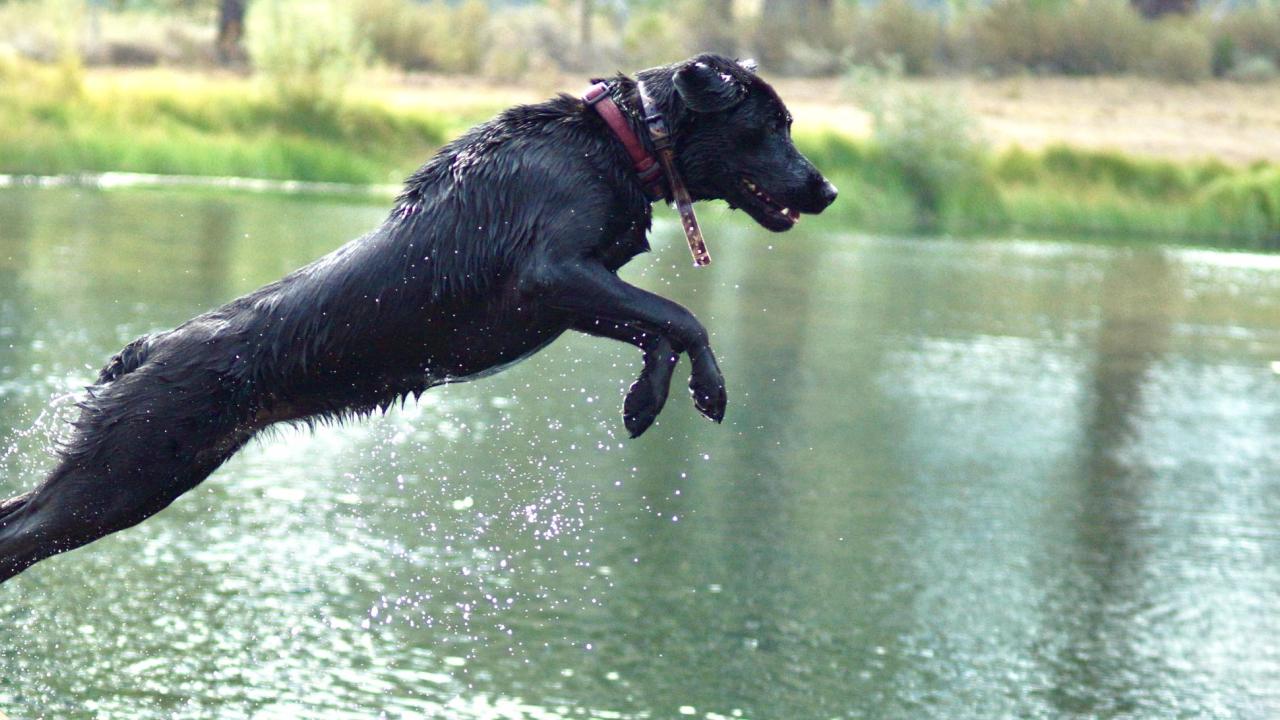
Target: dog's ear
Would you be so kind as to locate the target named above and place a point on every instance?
(749, 64)
(705, 89)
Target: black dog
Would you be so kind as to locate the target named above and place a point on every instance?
(509, 236)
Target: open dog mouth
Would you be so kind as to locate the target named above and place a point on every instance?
(774, 211)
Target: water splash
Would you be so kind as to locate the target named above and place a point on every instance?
(27, 450)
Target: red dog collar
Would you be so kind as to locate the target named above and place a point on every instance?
(645, 165)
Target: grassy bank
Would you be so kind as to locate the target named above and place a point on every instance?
(919, 171)
(1061, 190)
(51, 122)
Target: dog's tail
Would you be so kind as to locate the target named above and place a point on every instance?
(14, 553)
(13, 505)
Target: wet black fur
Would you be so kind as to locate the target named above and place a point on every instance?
(509, 236)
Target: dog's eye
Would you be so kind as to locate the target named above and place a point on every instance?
(775, 125)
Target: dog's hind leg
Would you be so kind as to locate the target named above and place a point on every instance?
(648, 393)
(140, 442)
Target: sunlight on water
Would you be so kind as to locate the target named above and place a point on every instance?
(956, 479)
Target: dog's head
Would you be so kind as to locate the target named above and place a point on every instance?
(733, 140)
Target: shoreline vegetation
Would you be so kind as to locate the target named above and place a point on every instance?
(920, 163)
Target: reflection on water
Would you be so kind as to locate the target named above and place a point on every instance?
(957, 479)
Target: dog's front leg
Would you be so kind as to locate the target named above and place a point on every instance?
(648, 393)
(590, 291)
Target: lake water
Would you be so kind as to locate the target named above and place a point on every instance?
(958, 479)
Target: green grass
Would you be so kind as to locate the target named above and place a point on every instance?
(50, 124)
(1098, 192)
(1061, 190)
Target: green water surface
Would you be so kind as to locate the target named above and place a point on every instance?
(958, 479)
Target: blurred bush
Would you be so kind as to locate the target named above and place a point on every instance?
(1100, 37)
(655, 37)
(1181, 51)
(399, 33)
(1013, 35)
(526, 42)
(1245, 34)
(898, 29)
(933, 143)
(306, 50)
(1254, 69)
(794, 43)
(467, 38)
(465, 44)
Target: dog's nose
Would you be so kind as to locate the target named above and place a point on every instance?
(829, 192)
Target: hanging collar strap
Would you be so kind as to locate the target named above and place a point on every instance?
(660, 135)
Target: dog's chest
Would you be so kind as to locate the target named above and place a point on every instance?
(619, 244)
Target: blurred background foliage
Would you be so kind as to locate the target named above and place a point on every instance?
(1180, 40)
(280, 89)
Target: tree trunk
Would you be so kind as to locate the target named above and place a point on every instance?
(230, 45)
(1152, 9)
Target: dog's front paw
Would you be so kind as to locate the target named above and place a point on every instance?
(706, 384)
(642, 405)
(649, 392)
